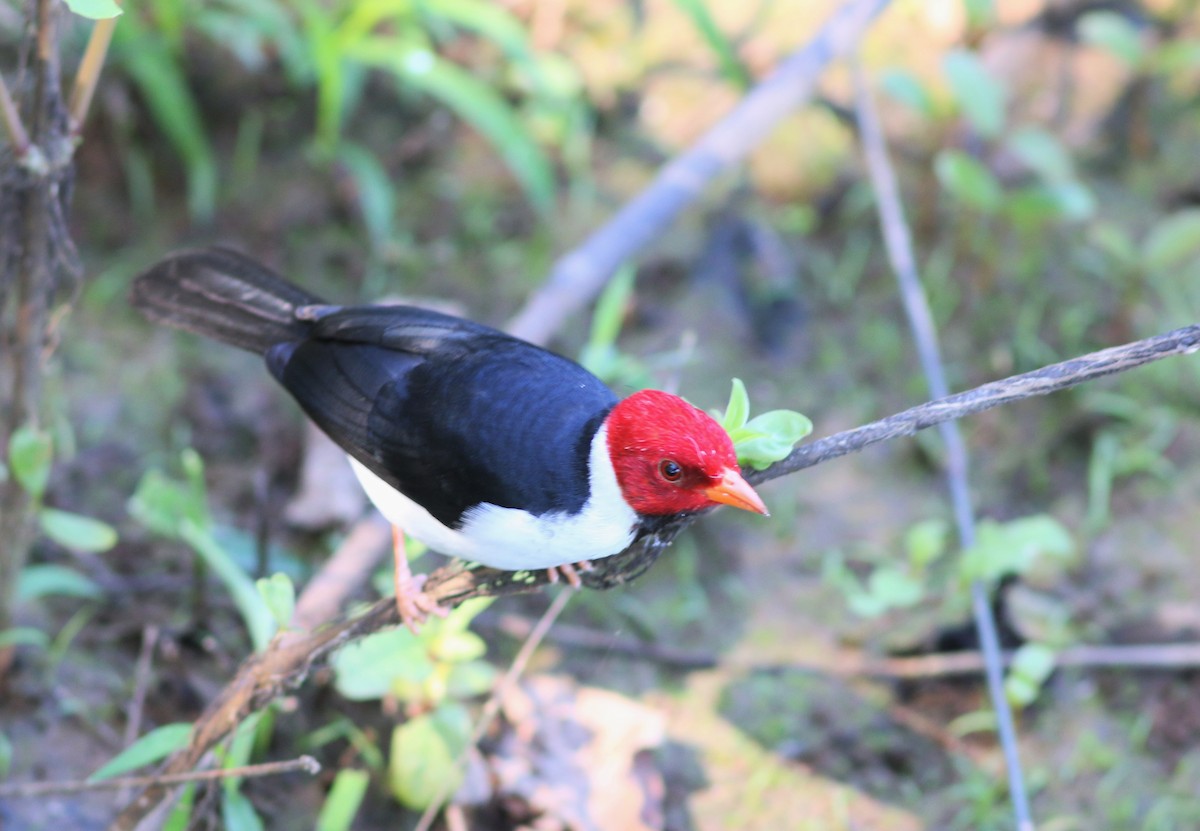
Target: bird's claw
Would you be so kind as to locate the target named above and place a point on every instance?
(414, 605)
(569, 572)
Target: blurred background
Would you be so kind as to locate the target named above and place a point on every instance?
(449, 151)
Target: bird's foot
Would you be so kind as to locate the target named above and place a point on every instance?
(570, 572)
(414, 605)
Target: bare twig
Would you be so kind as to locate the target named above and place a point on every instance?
(577, 637)
(28, 790)
(898, 242)
(12, 122)
(343, 573)
(1048, 379)
(89, 71)
(578, 277)
(141, 682)
(1162, 656)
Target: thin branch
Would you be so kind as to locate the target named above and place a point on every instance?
(30, 790)
(17, 134)
(1048, 379)
(89, 71)
(1164, 656)
(898, 243)
(578, 277)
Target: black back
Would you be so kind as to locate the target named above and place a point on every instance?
(450, 412)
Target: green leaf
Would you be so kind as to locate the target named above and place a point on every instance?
(79, 533)
(238, 814)
(599, 355)
(732, 68)
(968, 180)
(279, 593)
(373, 186)
(30, 454)
(902, 86)
(258, 619)
(152, 747)
(1173, 241)
(159, 77)
(6, 756)
(980, 97)
(1113, 32)
(926, 541)
(369, 668)
(45, 580)
(457, 647)
(1031, 666)
(23, 636)
(470, 679)
(769, 437)
(1065, 200)
(737, 411)
(180, 818)
(474, 102)
(95, 9)
(162, 504)
(424, 752)
(1014, 547)
(893, 588)
(1041, 151)
(343, 800)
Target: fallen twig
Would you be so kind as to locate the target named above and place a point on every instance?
(28, 790)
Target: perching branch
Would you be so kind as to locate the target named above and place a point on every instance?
(286, 662)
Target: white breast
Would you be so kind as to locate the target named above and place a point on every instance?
(515, 540)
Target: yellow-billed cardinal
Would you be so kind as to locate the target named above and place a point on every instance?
(480, 445)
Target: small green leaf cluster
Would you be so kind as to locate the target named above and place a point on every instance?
(432, 674)
(30, 458)
(177, 508)
(765, 439)
(1030, 547)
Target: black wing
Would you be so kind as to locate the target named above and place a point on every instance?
(449, 412)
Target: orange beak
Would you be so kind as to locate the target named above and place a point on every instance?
(736, 491)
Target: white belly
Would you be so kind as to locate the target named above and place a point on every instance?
(515, 540)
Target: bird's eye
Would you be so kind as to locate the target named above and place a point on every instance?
(670, 470)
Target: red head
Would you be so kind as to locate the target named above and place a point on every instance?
(671, 457)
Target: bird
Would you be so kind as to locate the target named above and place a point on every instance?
(479, 444)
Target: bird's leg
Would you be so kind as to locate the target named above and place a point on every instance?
(412, 603)
(570, 572)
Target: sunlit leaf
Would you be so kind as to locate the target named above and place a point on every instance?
(152, 747)
(369, 668)
(23, 636)
(926, 541)
(737, 411)
(343, 800)
(965, 178)
(48, 579)
(79, 533)
(457, 647)
(1041, 151)
(1173, 241)
(980, 97)
(423, 754)
(94, 9)
(769, 437)
(1014, 547)
(904, 87)
(30, 453)
(1113, 32)
(279, 593)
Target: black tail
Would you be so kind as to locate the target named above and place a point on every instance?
(223, 295)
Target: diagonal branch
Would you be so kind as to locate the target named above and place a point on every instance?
(286, 662)
(580, 276)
